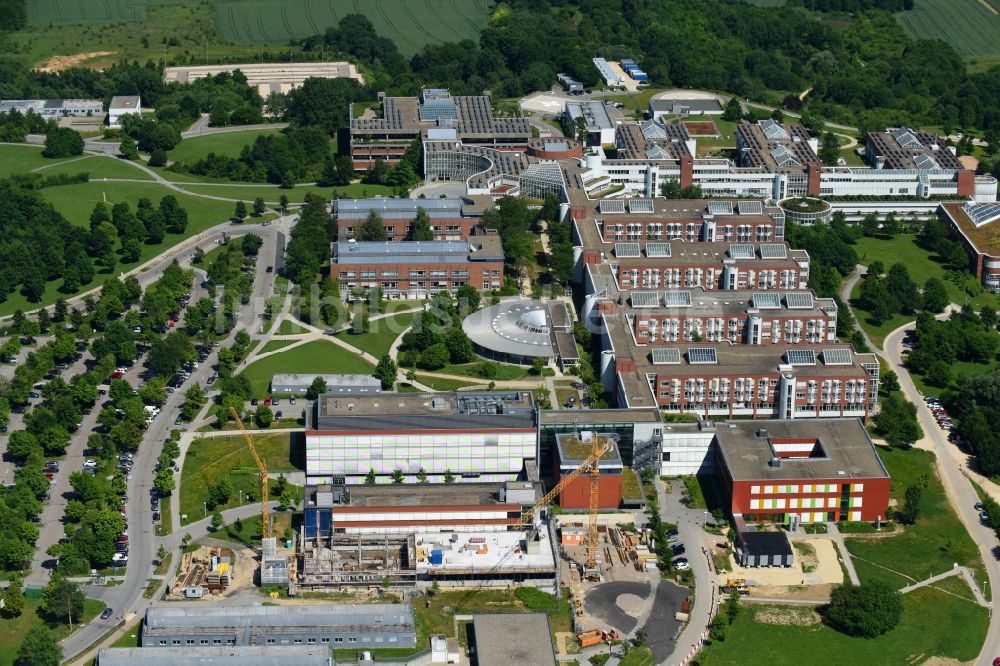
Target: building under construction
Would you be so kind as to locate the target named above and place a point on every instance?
(455, 534)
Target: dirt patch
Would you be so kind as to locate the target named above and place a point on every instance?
(701, 128)
(60, 62)
(794, 592)
(797, 617)
(945, 661)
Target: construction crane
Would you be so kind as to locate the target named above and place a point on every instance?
(265, 511)
(600, 446)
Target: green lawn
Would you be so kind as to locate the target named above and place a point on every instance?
(505, 371)
(22, 158)
(210, 459)
(275, 345)
(967, 25)
(439, 384)
(903, 249)
(933, 545)
(221, 143)
(382, 333)
(12, 630)
(288, 327)
(318, 357)
(250, 191)
(76, 202)
(934, 624)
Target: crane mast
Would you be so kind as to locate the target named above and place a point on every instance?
(265, 511)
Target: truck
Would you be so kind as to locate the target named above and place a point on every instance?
(589, 637)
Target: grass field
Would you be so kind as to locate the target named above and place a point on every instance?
(275, 345)
(76, 202)
(12, 630)
(210, 459)
(918, 261)
(287, 327)
(319, 357)
(932, 546)
(382, 333)
(926, 630)
(221, 143)
(210, 25)
(967, 25)
(439, 384)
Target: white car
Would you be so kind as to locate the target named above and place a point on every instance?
(90, 463)
(682, 564)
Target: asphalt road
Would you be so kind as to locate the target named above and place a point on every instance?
(960, 492)
(127, 598)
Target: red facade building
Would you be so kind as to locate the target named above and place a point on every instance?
(805, 471)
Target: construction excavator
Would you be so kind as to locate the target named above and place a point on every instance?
(265, 510)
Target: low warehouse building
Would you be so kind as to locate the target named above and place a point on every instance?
(249, 655)
(298, 384)
(335, 625)
(524, 639)
(763, 549)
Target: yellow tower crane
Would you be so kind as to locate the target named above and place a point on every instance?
(265, 511)
(591, 466)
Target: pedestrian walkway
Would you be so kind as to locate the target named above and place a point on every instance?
(964, 572)
(845, 557)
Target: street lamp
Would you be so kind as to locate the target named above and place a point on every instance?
(241, 497)
(706, 520)
(205, 505)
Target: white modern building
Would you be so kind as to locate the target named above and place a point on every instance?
(471, 436)
(122, 106)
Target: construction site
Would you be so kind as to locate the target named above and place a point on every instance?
(453, 535)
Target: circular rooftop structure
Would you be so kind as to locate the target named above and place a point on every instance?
(806, 210)
(511, 332)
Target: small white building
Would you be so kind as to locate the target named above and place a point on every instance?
(121, 106)
(444, 650)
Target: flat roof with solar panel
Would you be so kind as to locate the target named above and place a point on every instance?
(978, 225)
(799, 300)
(628, 250)
(742, 251)
(773, 251)
(644, 299)
(665, 356)
(720, 207)
(611, 206)
(677, 299)
(982, 213)
(640, 206)
(702, 356)
(767, 300)
(800, 357)
(657, 249)
(750, 207)
(837, 357)
(905, 148)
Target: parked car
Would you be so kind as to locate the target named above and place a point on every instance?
(107, 612)
(678, 549)
(681, 564)
(277, 415)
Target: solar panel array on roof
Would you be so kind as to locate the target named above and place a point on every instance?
(640, 206)
(767, 300)
(982, 213)
(801, 357)
(773, 251)
(750, 207)
(627, 250)
(720, 207)
(657, 249)
(677, 299)
(609, 206)
(644, 299)
(837, 357)
(702, 356)
(773, 130)
(799, 300)
(741, 251)
(657, 152)
(666, 356)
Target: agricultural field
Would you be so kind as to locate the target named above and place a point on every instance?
(255, 23)
(972, 27)
(409, 23)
